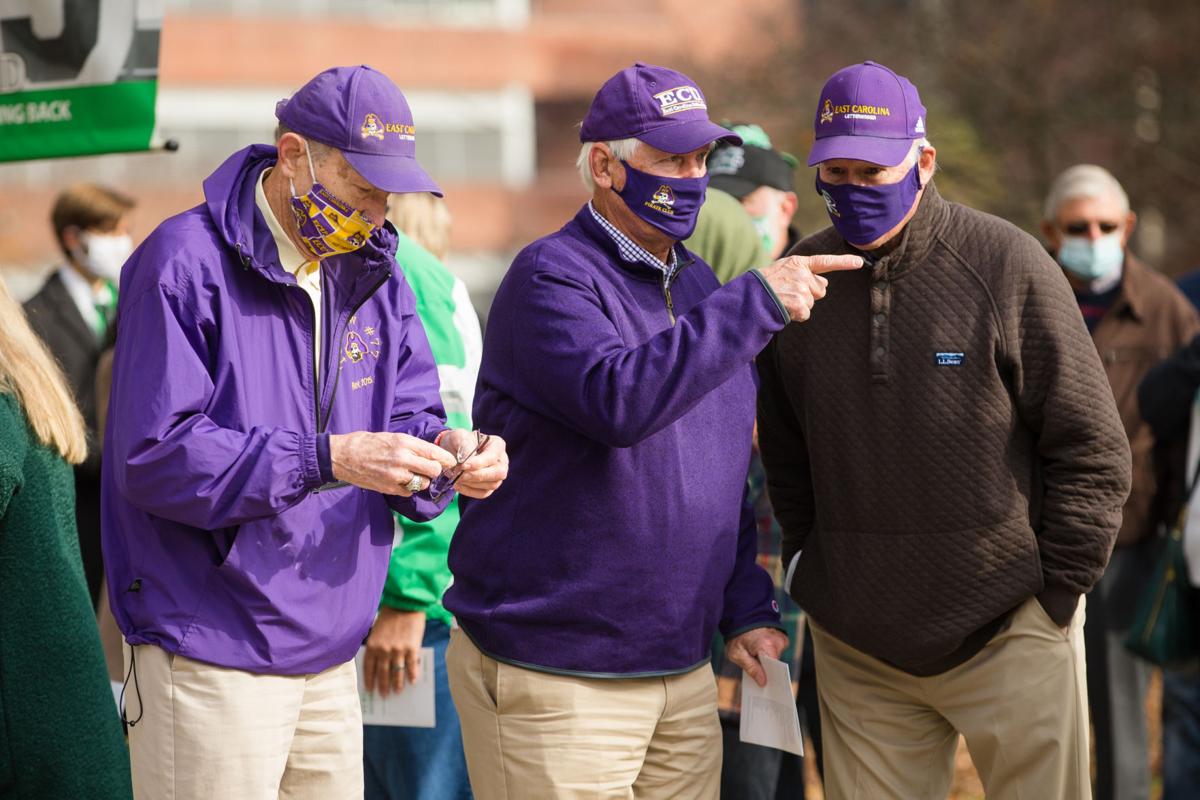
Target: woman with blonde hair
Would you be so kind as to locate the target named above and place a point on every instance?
(424, 219)
(60, 734)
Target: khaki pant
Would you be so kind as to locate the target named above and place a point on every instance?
(211, 732)
(531, 735)
(1020, 703)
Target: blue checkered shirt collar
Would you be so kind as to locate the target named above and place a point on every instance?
(633, 252)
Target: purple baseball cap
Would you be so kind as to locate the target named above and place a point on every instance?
(662, 107)
(869, 113)
(363, 114)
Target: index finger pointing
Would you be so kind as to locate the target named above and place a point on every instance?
(820, 264)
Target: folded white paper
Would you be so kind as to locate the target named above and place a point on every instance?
(769, 712)
(411, 708)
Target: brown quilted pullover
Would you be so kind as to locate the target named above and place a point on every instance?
(940, 441)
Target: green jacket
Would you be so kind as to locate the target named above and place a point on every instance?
(418, 575)
(60, 735)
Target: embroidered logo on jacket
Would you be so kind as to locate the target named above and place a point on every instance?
(359, 344)
(947, 359)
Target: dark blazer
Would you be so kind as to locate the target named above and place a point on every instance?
(55, 317)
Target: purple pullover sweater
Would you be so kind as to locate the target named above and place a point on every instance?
(622, 538)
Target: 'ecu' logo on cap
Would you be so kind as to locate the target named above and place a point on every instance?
(372, 127)
(827, 112)
(681, 98)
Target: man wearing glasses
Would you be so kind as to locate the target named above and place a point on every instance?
(1136, 317)
(620, 372)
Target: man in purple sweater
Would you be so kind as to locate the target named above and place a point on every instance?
(620, 372)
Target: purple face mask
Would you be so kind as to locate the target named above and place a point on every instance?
(861, 214)
(669, 204)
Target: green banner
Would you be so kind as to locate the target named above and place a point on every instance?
(77, 77)
(81, 121)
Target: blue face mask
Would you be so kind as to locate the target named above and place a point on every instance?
(1092, 260)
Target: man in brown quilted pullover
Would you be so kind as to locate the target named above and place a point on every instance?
(946, 460)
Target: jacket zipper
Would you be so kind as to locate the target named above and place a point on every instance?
(667, 297)
(312, 315)
(666, 286)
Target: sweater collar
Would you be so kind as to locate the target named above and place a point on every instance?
(916, 239)
(601, 238)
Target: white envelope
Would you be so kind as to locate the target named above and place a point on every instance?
(769, 712)
(412, 708)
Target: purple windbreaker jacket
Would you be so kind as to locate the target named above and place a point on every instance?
(623, 539)
(225, 538)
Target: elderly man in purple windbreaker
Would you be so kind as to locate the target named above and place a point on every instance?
(589, 590)
(274, 399)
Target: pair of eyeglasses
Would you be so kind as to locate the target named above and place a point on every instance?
(1082, 228)
(445, 482)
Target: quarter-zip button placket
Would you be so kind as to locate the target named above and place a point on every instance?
(881, 306)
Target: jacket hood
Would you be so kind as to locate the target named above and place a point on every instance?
(229, 198)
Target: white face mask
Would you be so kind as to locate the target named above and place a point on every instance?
(104, 254)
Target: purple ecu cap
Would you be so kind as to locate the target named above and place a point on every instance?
(363, 114)
(869, 113)
(662, 107)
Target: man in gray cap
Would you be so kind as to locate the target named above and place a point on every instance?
(762, 179)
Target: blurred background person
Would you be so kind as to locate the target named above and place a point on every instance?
(402, 763)
(763, 180)
(1136, 317)
(725, 237)
(1169, 403)
(59, 732)
(732, 242)
(74, 312)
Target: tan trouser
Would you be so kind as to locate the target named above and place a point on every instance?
(1020, 703)
(531, 735)
(211, 732)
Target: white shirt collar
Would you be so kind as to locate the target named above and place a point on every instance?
(290, 258)
(80, 289)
